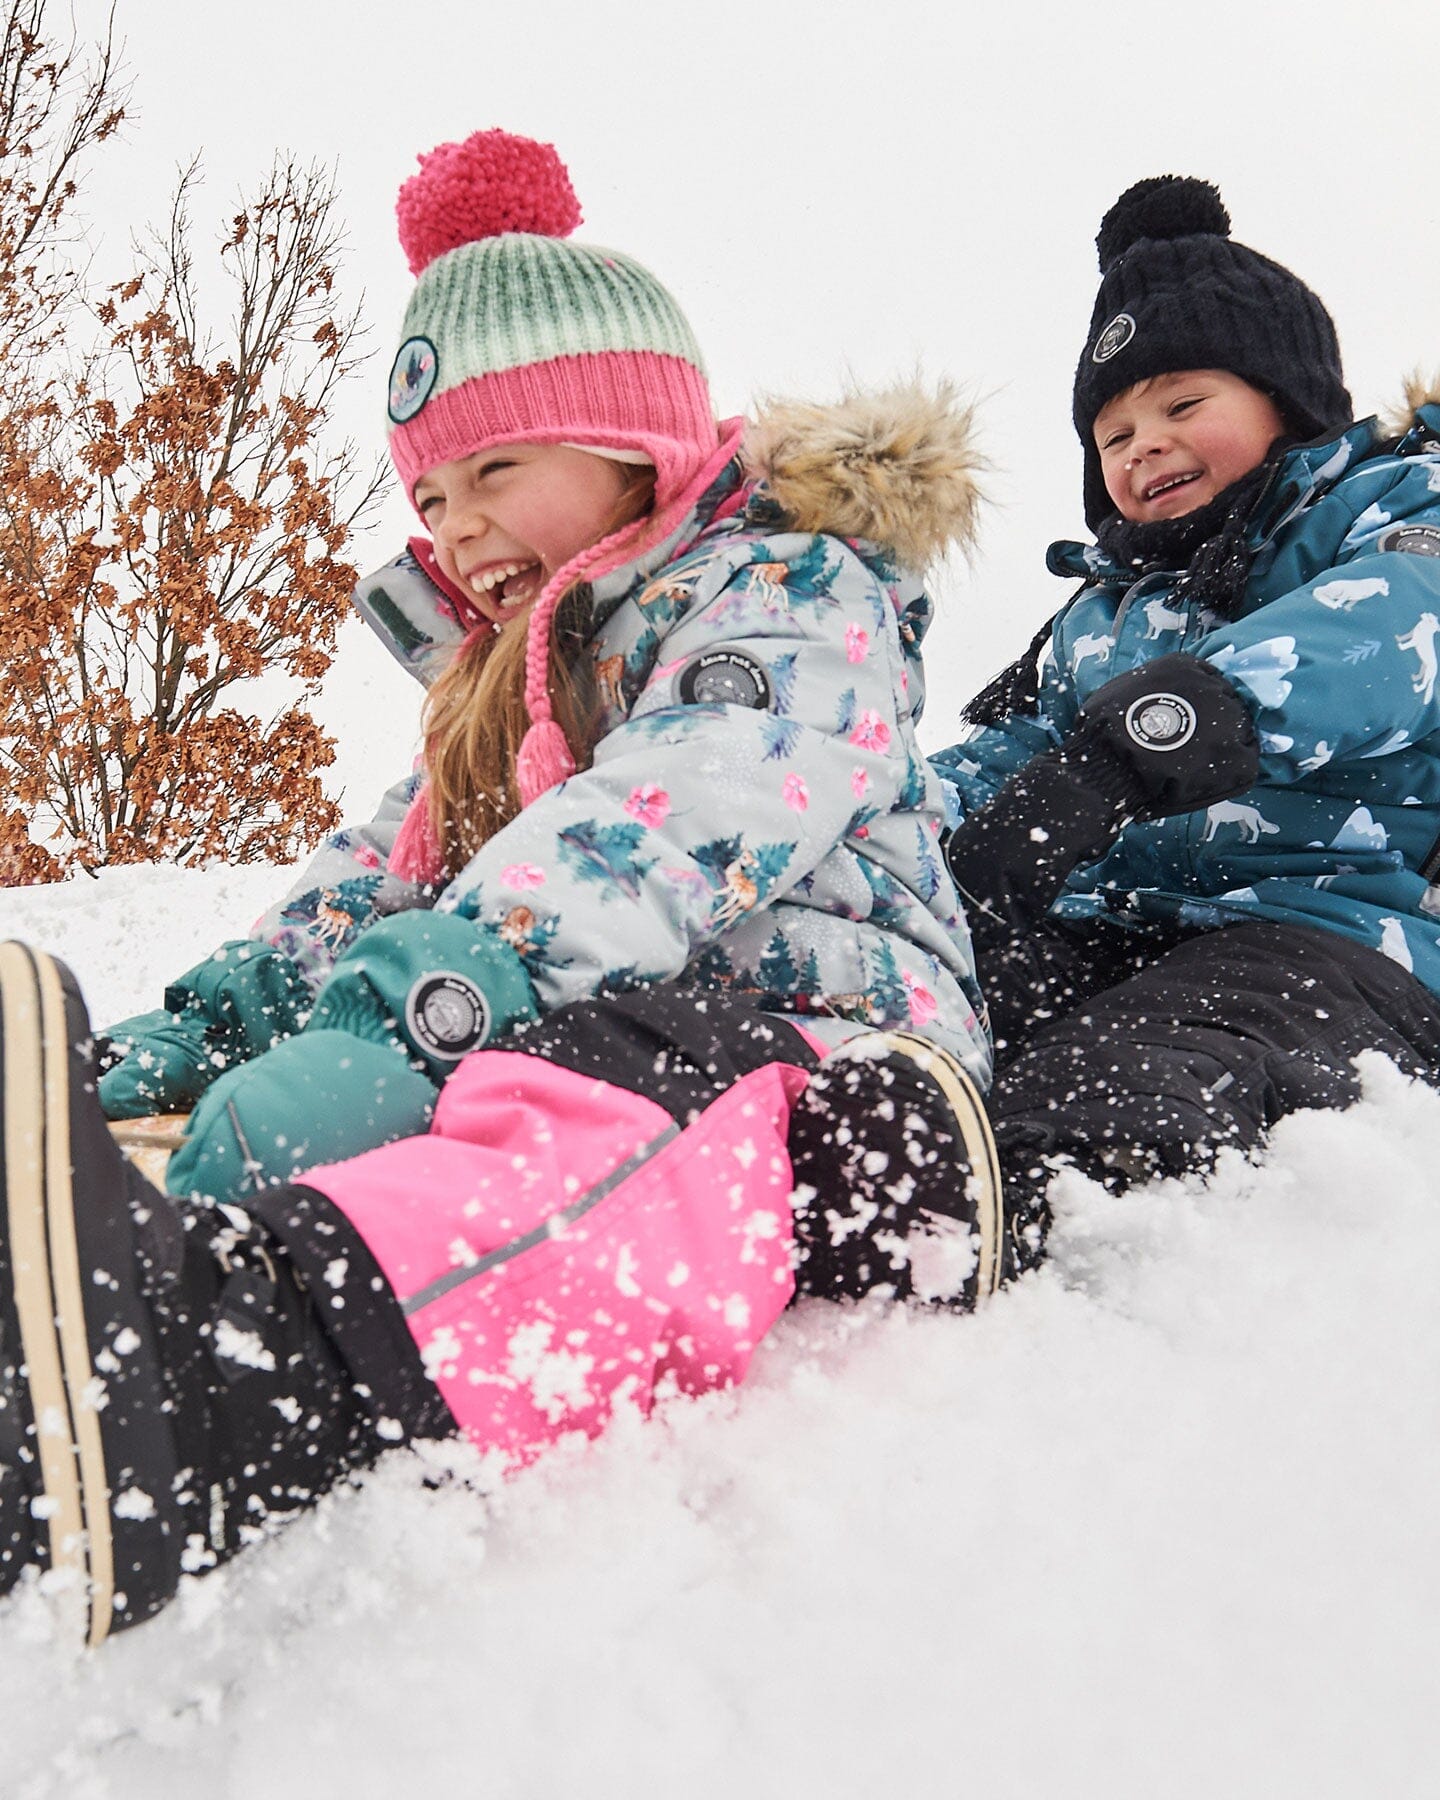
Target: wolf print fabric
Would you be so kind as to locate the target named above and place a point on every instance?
(1335, 643)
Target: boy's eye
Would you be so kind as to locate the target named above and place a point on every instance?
(1112, 439)
(1180, 406)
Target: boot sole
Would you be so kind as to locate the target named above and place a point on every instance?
(39, 1233)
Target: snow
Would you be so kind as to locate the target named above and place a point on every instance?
(1158, 1520)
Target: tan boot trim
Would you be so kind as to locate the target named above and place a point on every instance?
(66, 1279)
(979, 1140)
(30, 1266)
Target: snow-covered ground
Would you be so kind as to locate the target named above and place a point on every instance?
(1161, 1521)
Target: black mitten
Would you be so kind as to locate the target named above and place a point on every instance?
(1169, 737)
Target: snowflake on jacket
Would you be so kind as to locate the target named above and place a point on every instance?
(1335, 641)
(757, 813)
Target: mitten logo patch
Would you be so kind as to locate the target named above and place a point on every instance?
(1160, 721)
(1113, 339)
(412, 378)
(447, 1015)
(1417, 540)
(724, 678)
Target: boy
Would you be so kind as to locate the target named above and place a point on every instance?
(1238, 920)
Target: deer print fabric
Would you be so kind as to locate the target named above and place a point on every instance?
(757, 816)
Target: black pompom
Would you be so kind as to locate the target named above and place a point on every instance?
(1161, 206)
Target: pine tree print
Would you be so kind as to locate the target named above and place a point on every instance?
(606, 854)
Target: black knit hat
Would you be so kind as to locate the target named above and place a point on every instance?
(1177, 293)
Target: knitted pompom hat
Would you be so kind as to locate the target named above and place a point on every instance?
(515, 334)
(1176, 292)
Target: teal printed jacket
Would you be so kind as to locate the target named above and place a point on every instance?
(1335, 643)
(757, 814)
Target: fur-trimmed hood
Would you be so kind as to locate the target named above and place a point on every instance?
(898, 467)
(1420, 390)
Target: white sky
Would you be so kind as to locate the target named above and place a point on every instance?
(836, 188)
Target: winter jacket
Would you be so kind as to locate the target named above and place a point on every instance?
(1335, 642)
(757, 814)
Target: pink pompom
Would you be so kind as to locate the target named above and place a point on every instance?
(492, 183)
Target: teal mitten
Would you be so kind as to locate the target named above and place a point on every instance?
(232, 1006)
(432, 984)
(317, 1098)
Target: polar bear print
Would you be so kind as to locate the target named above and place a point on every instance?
(1249, 818)
(1343, 596)
(1422, 641)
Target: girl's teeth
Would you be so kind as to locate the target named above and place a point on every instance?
(487, 582)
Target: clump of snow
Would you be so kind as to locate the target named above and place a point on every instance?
(1160, 1520)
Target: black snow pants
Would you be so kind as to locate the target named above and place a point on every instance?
(1150, 1067)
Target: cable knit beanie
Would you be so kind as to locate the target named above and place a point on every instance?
(516, 334)
(1177, 293)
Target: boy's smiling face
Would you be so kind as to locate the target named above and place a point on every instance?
(1172, 443)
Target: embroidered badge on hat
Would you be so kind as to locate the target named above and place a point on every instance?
(1161, 721)
(447, 1014)
(412, 378)
(724, 678)
(1113, 339)
(1417, 540)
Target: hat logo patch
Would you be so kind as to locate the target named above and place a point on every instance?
(412, 378)
(1113, 339)
(724, 678)
(448, 1015)
(1160, 722)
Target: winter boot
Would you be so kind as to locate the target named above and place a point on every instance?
(165, 1385)
(897, 1185)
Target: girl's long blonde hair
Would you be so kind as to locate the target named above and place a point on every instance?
(475, 713)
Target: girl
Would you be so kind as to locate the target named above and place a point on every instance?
(673, 816)
(1216, 925)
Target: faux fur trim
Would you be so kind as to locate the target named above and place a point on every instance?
(1420, 390)
(897, 467)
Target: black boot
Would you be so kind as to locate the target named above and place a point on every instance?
(897, 1185)
(166, 1386)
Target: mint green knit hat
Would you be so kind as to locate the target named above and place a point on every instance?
(516, 333)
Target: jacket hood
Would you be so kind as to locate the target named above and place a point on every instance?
(897, 467)
(1420, 390)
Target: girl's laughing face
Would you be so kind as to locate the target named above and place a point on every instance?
(508, 518)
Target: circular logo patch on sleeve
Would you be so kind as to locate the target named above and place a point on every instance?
(412, 378)
(1160, 721)
(1416, 540)
(447, 1015)
(1113, 339)
(724, 678)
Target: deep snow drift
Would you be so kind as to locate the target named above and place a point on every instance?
(1159, 1522)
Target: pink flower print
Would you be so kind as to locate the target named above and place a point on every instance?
(857, 643)
(795, 793)
(871, 733)
(859, 782)
(367, 856)
(523, 875)
(649, 804)
(923, 1004)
